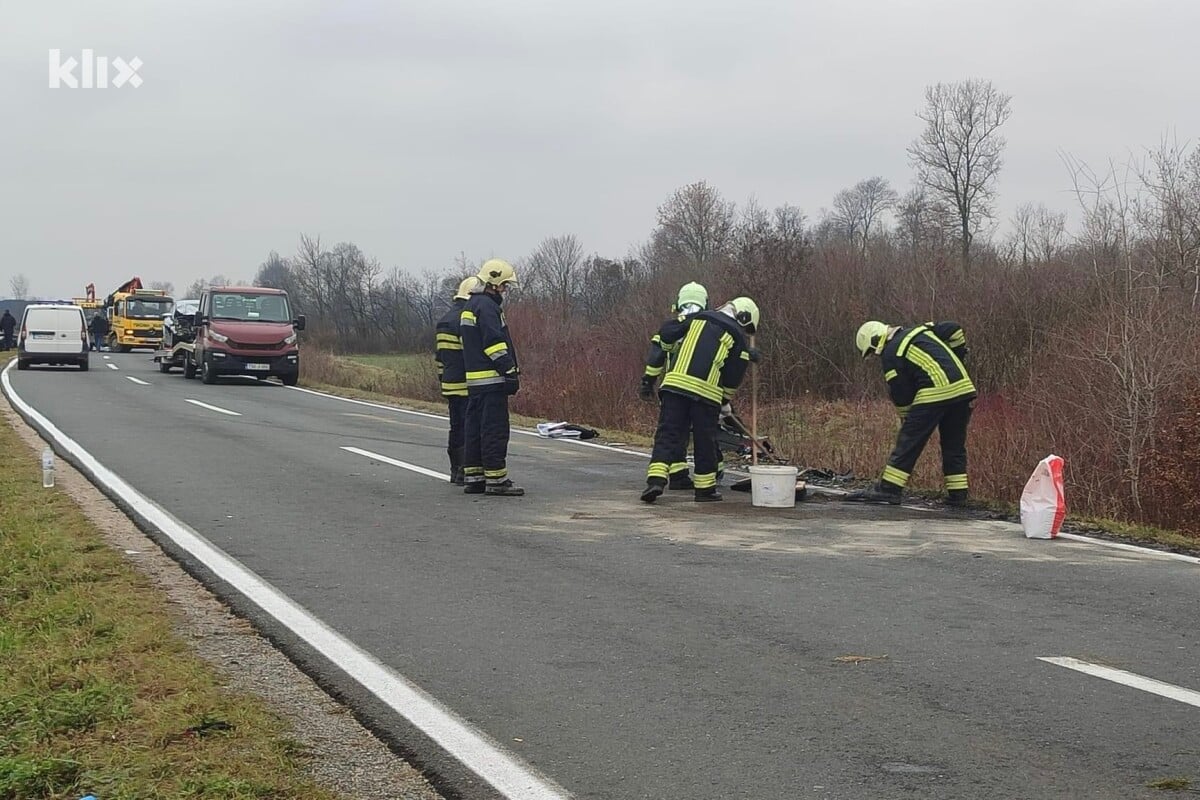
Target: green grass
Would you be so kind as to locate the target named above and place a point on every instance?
(96, 691)
(400, 362)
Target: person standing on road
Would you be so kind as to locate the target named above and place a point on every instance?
(8, 324)
(492, 377)
(925, 370)
(691, 300)
(704, 375)
(99, 326)
(452, 375)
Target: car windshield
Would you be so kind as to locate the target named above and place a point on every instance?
(148, 307)
(250, 307)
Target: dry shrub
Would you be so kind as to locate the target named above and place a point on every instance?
(419, 382)
(1174, 466)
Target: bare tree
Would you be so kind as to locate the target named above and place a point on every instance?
(1170, 215)
(695, 228)
(1037, 233)
(958, 155)
(857, 209)
(555, 270)
(163, 286)
(19, 286)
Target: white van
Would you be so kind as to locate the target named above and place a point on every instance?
(52, 334)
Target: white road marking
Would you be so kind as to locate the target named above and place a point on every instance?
(112, 366)
(1075, 537)
(447, 419)
(138, 381)
(1169, 690)
(396, 463)
(106, 358)
(218, 409)
(505, 772)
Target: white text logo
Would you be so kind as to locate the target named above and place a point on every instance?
(93, 71)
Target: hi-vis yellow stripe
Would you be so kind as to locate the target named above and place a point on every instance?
(483, 373)
(956, 481)
(895, 476)
(448, 338)
(889, 375)
(467, 318)
(692, 385)
(496, 349)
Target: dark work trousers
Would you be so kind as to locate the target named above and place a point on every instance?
(680, 416)
(458, 430)
(486, 447)
(677, 467)
(950, 421)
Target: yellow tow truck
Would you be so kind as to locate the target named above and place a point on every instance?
(135, 316)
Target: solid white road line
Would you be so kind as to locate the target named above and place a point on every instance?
(138, 381)
(1075, 537)
(1124, 678)
(112, 366)
(396, 463)
(504, 771)
(218, 409)
(106, 358)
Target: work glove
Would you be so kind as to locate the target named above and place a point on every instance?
(726, 411)
(512, 384)
(646, 389)
(753, 354)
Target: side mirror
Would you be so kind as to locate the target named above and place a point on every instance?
(300, 322)
(198, 319)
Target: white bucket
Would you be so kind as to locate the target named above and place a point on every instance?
(773, 486)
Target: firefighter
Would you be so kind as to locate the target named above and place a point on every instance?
(925, 370)
(710, 362)
(492, 377)
(691, 299)
(453, 376)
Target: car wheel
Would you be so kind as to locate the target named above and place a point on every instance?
(83, 365)
(189, 366)
(207, 373)
(22, 364)
(290, 379)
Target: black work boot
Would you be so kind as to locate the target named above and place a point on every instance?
(654, 489)
(475, 486)
(878, 493)
(504, 488)
(707, 496)
(959, 498)
(682, 481)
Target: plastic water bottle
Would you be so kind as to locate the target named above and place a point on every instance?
(47, 468)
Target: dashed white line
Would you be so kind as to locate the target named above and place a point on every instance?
(106, 358)
(112, 366)
(138, 381)
(1151, 685)
(397, 463)
(507, 773)
(218, 409)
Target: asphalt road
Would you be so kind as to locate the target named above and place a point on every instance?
(675, 650)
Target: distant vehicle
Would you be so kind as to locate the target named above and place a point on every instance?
(244, 330)
(53, 333)
(135, 316)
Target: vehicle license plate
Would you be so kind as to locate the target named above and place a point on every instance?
(258, 367)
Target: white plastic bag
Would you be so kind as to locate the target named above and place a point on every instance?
(1043, 506)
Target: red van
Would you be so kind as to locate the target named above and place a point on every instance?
(245, 330)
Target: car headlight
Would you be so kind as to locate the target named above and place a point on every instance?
(290, 340)
(128, 332)
(218, 337)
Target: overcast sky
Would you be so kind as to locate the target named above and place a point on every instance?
(421, 130)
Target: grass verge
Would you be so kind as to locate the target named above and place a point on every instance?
(97, 694)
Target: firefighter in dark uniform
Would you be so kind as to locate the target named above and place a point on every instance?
(691, 299)
(711, 355)
(452, 375)
(492, 377)
(926, 373)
